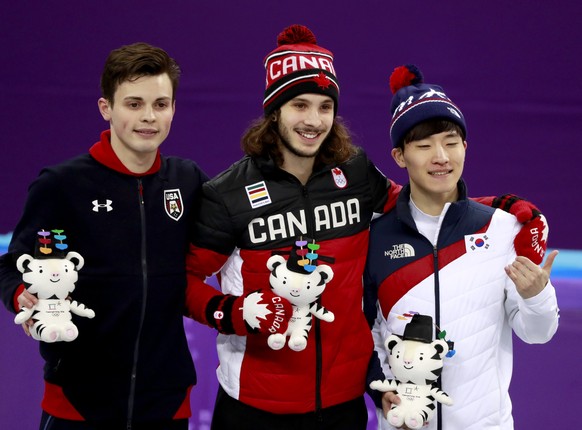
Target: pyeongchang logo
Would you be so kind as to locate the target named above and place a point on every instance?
(402, 250)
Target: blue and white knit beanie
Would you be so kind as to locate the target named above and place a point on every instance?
(415, 102)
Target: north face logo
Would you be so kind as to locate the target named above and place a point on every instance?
(402, 250)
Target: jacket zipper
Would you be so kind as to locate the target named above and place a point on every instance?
(437, 321)
(316, 325)
(131, 399)
(437, 294)
(318, 366)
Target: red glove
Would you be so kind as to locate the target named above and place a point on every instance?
(258, 312)
(532, 240)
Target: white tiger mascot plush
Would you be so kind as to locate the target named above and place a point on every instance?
(416, 362)
(300, 282)
(51, 279)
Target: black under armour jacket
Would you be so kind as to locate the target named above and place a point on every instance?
(131, 362)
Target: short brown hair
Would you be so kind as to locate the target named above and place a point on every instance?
(262, 139)
(131, 62)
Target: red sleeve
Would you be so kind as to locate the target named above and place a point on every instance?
(393, 193)
(523, 209)
(201, 264)
(487, 200)
(18, 292)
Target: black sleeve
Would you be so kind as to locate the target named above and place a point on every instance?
(42, 210)
(213, 227)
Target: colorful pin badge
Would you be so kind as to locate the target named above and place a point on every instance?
(58, 235)
(44, 241)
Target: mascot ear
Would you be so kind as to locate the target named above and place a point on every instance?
(23, 262)
(274, 261)
(391, 342)
(80, 261)
(441, 347)
(326, 273)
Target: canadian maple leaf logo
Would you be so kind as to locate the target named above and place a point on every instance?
(322, 81)
(253, 309)
(546, 229)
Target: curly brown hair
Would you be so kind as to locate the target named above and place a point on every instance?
(262, 139)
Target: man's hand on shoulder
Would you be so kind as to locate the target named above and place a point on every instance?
(532, 240)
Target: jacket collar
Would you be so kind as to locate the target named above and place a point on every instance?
(454, 213)
(104, 154)
(268, 166)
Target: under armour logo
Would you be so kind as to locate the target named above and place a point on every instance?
(107, 205)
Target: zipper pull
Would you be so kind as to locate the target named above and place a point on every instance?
(140, 190)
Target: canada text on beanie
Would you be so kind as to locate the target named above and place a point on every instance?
(298, 66)
(414, 102)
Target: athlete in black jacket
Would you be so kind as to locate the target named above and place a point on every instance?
(127, 210)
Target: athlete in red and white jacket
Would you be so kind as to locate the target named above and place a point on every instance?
(237, 234)
(460, 281)
(442, 255)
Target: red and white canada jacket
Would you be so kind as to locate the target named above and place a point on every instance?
(461, 283)
(255, 208)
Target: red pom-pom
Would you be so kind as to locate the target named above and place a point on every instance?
(404, 76)
(296, 34)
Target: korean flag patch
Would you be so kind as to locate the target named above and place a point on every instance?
(477, 242)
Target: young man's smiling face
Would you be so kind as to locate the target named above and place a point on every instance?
(435, 165)
(140, 118)
(304, 123)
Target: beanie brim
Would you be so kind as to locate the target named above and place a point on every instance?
(312, 81)
(421, 111)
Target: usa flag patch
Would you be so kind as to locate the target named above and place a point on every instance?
(173, 203)
(258, 194)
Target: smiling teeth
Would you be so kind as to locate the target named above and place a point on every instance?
(439, 173)
(309, 135)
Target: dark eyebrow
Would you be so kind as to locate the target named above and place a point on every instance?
(305, 100)
(130, 98)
